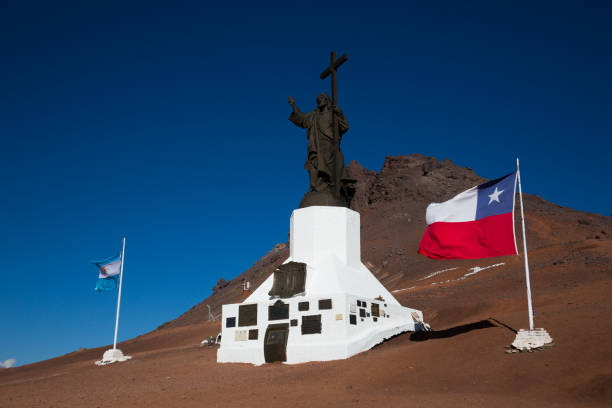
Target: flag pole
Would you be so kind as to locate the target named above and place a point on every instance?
(527, 281)
(119, 295)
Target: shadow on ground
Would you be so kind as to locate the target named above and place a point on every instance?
(453, 331)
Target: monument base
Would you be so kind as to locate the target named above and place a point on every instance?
(336, 335)
(343, 309)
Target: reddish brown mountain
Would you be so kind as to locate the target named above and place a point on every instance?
(392, 205)
(473, 306)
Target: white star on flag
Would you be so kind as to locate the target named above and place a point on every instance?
(495, 196)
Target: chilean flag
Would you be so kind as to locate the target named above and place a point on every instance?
(477, 223)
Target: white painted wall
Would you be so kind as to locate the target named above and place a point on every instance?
(327, 239)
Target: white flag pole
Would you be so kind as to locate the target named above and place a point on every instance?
(532, 338)
(527, 281)
(119, 295)
(114, 354)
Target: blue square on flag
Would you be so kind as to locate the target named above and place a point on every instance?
(496, 196)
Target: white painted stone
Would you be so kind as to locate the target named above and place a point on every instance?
(530, 339)
(112, 356)
(327, 240)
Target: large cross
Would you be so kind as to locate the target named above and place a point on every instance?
(332, 69)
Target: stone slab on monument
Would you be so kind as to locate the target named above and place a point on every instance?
(340, 309)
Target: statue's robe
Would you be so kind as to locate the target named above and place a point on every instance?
(321, 150)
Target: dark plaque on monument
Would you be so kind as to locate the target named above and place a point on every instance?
(289, 280)
(330, 184)
(278, 311)
(247, 315)
(311, 324)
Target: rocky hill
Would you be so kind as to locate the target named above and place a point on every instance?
(392, 205)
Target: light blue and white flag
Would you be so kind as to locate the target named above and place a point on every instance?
(109, 270)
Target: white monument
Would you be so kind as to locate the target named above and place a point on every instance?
(321, 304)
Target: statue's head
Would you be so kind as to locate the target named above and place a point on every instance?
(323, 100)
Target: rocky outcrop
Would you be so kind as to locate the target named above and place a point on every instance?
(392, 205)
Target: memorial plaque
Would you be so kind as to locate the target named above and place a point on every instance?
(241, 335)
(325, 304)
(289, 280)
(375, 309)
(247, 315)
(311, 324)
(278, 311)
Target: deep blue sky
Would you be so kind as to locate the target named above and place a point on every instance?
(167, 123)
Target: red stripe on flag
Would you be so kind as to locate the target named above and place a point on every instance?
(490, 236)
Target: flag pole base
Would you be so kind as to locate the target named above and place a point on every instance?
(527, 340)
(112, 356)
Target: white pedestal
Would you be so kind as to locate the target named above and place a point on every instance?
(531, 339)
(363, 314)
(112, 356)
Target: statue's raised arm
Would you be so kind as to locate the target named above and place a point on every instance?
(297, 117)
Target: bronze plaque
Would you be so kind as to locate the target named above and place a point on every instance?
(375, 309)
(278, 311)
(311, 324)
(289, 280)
(247, 315)
(325, 304)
